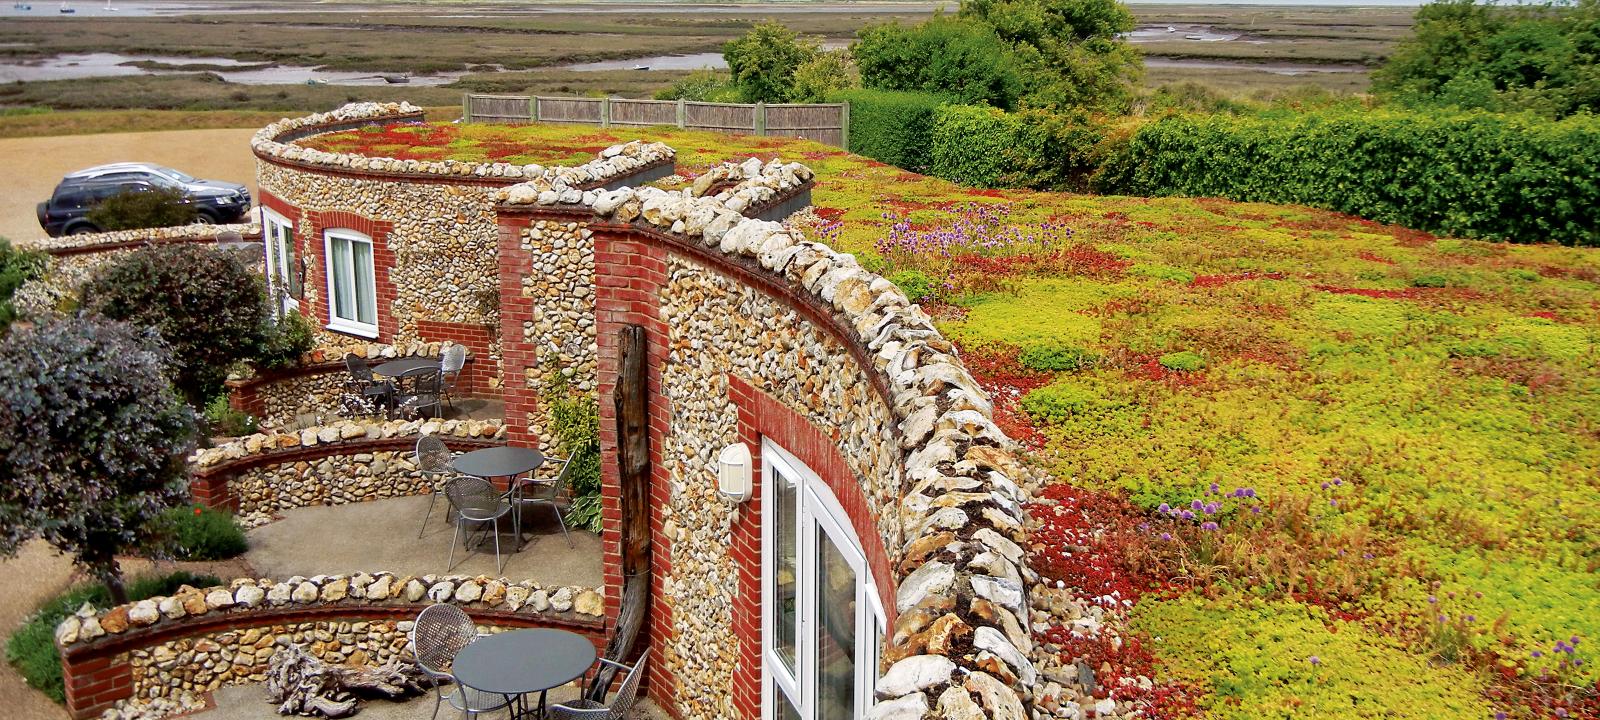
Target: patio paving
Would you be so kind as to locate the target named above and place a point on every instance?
(382, 535)
(249, 702)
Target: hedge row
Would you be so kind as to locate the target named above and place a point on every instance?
(1482, 175)
(1505, 177)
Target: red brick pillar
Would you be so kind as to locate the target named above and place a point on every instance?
(94, 684)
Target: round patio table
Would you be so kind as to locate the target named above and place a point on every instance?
(396, 368)
(503, 461)
(520, 662)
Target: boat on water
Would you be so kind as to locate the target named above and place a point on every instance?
(67, 10)
(108, 6)
(641, 67)
(396, 79)
(1194, 37)
(21, 6)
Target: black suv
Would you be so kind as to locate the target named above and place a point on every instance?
(78, 193)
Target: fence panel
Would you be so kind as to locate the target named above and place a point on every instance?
(822, 123)
(722, 117)
(635, 113)
(498, 108)
(571, 110)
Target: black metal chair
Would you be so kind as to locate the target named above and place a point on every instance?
(439, 633)
(433, 460)
(538, 492)
(364, 394)
(417, 392)
(476, 500)
(621, 704)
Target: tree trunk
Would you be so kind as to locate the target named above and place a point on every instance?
(110, 573)
(300, 684)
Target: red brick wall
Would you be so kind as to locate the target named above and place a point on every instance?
(516, 356)
(317, 265)
(476, 375)
(95, 684)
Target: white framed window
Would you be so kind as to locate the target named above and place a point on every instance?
(352, 291)
(284, 276)
(822, 621)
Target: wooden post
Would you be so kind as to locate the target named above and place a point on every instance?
(683, 113)
(466, 107)
(533, 109)
(631, 398)
(761, 118)
(844, 125)
(605, 112)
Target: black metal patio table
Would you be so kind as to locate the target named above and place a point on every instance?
(505, 461)
(396, 368)
(520, 662)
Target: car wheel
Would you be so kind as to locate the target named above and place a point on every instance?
(84, 229)
(203, 219)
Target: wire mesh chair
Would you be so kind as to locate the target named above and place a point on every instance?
(535, 492)
(476, 500)
(433, 460)
(417, 392)
(439, 633)
(364, 394)
(621, 704)
(450, 364)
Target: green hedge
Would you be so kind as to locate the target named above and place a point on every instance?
(890, 126)
(1516, 178)
(971, 145)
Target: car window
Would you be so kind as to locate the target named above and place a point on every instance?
(71, 199)
(177, 175)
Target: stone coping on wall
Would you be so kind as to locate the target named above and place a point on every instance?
(329, 358)
(275, 143)
(128, 239)
(246, 602)
(336, 437)
(960, 644)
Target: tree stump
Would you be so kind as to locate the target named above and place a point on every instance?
(301, 684)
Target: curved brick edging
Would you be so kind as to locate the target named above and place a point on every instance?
(960, 641)
(348, 461)
(151, 649)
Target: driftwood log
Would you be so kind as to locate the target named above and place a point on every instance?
(300, 684)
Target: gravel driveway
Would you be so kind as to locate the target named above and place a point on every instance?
(33, 166)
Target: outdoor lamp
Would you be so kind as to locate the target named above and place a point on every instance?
(733, 472)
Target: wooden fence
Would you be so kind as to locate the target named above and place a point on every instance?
(829, 124)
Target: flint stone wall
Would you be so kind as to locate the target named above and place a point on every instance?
(198, 640)
(942, 479)
(344, 462)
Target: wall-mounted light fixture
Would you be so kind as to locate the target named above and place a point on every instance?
(733, 473)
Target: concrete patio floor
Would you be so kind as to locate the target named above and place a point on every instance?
(249, 702)
(382, 535)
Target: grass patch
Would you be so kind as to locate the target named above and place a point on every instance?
(32, 650)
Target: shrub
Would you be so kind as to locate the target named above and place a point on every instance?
(1182, 361)
(891, 127)
(956, 58)
(223, 419)
(131, 210)
(16, 268)
(916, 284)
(704, 85)
(199, 533)
(1505, 177)
(1430, 280)
(1055, 357)
(205, 304)
(284, 342)
(92, 440)
(764, 60)
(575, 422)
(969, 144)
(1037, 149)
(823, 75)
(32, 648)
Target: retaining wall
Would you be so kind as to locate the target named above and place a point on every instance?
(170, 649)
(314, 389)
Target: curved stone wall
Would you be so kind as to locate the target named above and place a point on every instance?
(747, 321)
(335, 464)
(167, 650)
(315, 387)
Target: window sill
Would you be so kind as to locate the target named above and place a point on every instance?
(349, 328)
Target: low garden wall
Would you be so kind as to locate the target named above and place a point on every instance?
(169, 650)
(74, 257)
(314, 388)
(335, 464)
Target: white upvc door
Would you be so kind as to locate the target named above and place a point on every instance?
(277, 234)
(823, 622)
